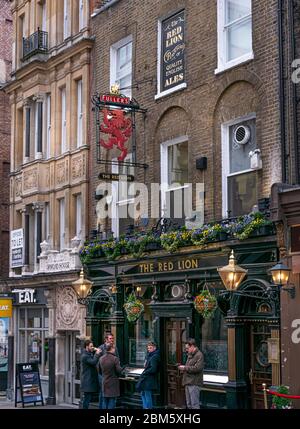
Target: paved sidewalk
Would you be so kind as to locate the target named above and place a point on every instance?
(5, 404)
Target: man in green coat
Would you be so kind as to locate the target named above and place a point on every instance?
(192, 378)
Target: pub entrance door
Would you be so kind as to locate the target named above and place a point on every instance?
(176, 336)
(260, 369)
(72, 380)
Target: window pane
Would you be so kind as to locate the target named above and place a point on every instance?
(34, 318)
(239, 153)
(34, 344)
(22, 316)
(214, 343)
(124, 56)
(22, 347)
(236, 9)
(242, 193)
(239, 40)
(178, 164)
(141, 332)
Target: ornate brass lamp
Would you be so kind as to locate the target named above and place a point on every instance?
(280, 276)
(232, 274)
(82, 287)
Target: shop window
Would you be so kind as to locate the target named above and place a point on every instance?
(33, 345)
(174, 178)
(121, 65)
(239, 179)
(234, 33)
(141, 332)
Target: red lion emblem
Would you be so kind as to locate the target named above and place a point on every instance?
(119, 128)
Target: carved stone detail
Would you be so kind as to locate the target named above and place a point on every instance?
(280, 230)
(78, 167)
(60, 173)
(18, 187)
(30, 180)
(67, 308)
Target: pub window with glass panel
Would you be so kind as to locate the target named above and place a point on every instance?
(33, 337)
(140, 332)
(239, 180)
(174, 176)
(121, 65)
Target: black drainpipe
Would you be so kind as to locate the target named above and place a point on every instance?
(294, 93)
(281, 93)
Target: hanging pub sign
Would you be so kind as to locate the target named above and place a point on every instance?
(115, 124)
(172, 61)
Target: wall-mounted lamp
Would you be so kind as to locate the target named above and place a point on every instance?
(280, 276)
(82, 287)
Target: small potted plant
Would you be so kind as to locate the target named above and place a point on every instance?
(205, 303)
(133, 307)
(280, 403)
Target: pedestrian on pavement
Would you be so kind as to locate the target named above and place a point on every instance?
(108, 340)
(111, 370)
(88, 377)
(148, 381)
(192, 378)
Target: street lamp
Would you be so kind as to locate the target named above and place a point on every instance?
(82, 287)
(232, 274)
(280, 276)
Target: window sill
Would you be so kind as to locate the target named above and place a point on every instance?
(234, 63)
(170, 91)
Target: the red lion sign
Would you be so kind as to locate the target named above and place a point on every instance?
(118, 128)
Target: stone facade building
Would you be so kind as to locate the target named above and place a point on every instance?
(49, 93)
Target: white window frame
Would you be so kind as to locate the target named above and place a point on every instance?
(78, 231)
(44, 16)
(81, 14)
(79, 113)
(63, 120)
(62, 243)
(115, 225)
(48, 126)
(47, 222)
(66, 18)
(113, 60)
(226, 160)
(223, 64)
(179, 87)
(164, 162)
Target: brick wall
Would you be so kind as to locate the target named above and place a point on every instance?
(5, 68)
(209, 99)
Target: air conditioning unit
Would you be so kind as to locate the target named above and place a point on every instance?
(242, 134)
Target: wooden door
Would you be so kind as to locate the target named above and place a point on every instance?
(176, 335)
(260, 369)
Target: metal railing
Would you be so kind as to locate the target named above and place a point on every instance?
(36, 43)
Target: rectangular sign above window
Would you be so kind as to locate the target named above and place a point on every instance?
(172, 61)
(16, 248)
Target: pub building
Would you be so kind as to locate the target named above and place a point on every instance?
(174, 114)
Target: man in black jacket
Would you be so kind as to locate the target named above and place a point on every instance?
(89, 376)
(148, 380)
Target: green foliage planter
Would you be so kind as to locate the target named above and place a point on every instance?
(205, 303)
(279, 403)
(133, 307)
(251, 225)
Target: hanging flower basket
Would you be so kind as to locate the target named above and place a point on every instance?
(205, 303)
(133, 308)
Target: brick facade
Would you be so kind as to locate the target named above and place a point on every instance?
(208, 101)
(5, 67)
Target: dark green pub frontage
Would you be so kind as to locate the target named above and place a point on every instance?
(235, 340)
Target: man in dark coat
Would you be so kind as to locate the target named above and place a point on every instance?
(148, 381)
(89, 376)
(108, 340)
(192, 378)
(111, 369)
